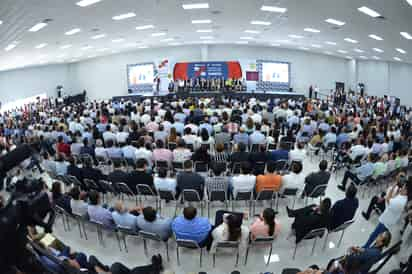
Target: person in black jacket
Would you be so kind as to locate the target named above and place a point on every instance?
(74, 170)
(189, 180)
(344, 210)
(240, 155)
(89, 172)
(310, 218)
(60, 199)
(140, 176)
(316, 178)
(118, 175)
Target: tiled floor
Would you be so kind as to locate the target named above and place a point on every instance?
(282, 249)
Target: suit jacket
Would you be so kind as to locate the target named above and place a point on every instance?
(118, 176)
(306, 222)
(190, 180)
(140, 177)
(238, 157)
(73, 170)
(315, 179)
(342, 211)
(93, 174)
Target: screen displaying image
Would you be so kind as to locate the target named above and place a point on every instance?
(275, 72)
(141, 74)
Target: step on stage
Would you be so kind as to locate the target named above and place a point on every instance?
(282, 95)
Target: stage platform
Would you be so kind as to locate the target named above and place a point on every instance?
(238, 95)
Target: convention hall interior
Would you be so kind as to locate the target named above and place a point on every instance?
(205, 136)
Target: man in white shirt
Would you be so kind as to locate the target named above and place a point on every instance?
(108, 135)
(121, 137)
(396, 201)
(298, 154)
(245, 181)
(357, 150)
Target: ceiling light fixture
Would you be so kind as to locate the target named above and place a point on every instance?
(304, 48)
(204, 21)
(363, 57)
(10, 47)
(327, 52)
(359, 50)
(195, 6)
(1, 22)
(157, 34)
(331, 43)
(119, 40)
(145, 27)
(409, 2)
(252, 31)
(206, 37)
(275, 45)
(143, 47)
(124, 16)
(397, 59)
(167, 40)
(316, 46)
(406, 35)
(174, 44)
(342, 51)
(376, 57)
(273, 9)
(376, 37)
(99, 36)
(295, 36)
(73, 31)
(65, 46)
(86, 47)
(369, 11)
(242, 42)
(85, 3)
(246, 38)
(204, 30)
(262, 23)
(103, 49)
(38, 27)
(335, 22)
(40, 46)
(311, 30)
(378, 50)
(351, 40)
(401, 50)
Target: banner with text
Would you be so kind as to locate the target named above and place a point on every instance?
(207, 70)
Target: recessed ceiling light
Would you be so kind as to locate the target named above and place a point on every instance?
(167, 40)
(118, 40)
(103, 49)
(363, 57)
(275, 45)
(204, 30)
(142, 47)
(85, 3)
(40, 46)
(311, 30)
(73, 31)
(203, 21)
(124, 16)
(409, 2)
(263, 23)
(401, 50)
(406, 35)
(195, 6)
(351, 40)
(397, 59)
(86, 47)
(342, 51)
(376, 57)
(206, 37)
(359, 50)
(99, 36)
(376, 37)
(246, 38)
(335, 22)
(273, 9)
(174, 44)
(316, 46)
(10, 47)
(157, 34)
(65, 46)
(295, 36)
(145, 27)
(369, 12)
(38, 27)
(378, 50)
(331, 43)
(1, 22)
(252, 31)
(242, 42)
(304, 48)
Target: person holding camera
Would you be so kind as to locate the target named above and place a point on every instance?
(395, 204)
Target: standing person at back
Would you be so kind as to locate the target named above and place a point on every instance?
(189, 180)
(316, 178)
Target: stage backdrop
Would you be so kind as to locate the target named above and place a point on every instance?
(208, 70)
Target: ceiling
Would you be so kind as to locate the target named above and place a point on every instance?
(230, 19)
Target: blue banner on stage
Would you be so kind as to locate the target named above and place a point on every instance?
(208, 70)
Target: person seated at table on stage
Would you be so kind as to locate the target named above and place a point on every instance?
(191, 227)
(265, 225)
(310, 218)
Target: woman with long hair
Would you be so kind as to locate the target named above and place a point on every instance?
(231, 230)
(265, 225)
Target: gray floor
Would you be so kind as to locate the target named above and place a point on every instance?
(282, 249)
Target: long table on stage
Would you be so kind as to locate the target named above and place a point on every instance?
(283, 95)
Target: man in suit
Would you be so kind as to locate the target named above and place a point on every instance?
(118, 175)
(316, 178)
(344, 210)
(91, 173)
(189, 180)
(140, 176)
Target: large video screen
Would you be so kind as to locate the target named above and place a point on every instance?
(140, 74)
(275, 72)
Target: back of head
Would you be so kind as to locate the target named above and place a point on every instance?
(242, 147)
(189, 212)
(234, 223)
(162, 172)
(94, 197)
(141, 163)
(75, 193)
(187, 165)
(149, 214)
(246, 168)
(269, 218)
(351, 192)
(271, 166)
(325, 206)
(297, 167)
(323, 165)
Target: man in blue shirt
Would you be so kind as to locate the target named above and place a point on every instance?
(241, 137)
(358, 174)
(280, 154)
(190, 227)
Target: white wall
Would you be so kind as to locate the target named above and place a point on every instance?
(22, 83)
(104, 77)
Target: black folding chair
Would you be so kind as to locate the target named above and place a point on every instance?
(246, 196)
(148, 236)
(317, 192)
(192, 196)
(227, 245)
(288, 192)
(145, 191)
(313, 234)
(261, 241)
(216, 195)
(166, 195)
(342, 228)
(123, 190)
(265, 195)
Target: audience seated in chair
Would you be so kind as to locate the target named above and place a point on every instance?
(150, 221)
(97, 213)
(344, 210)
(188, 179)
(271, 180)
(316, 178)
(265, 225)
